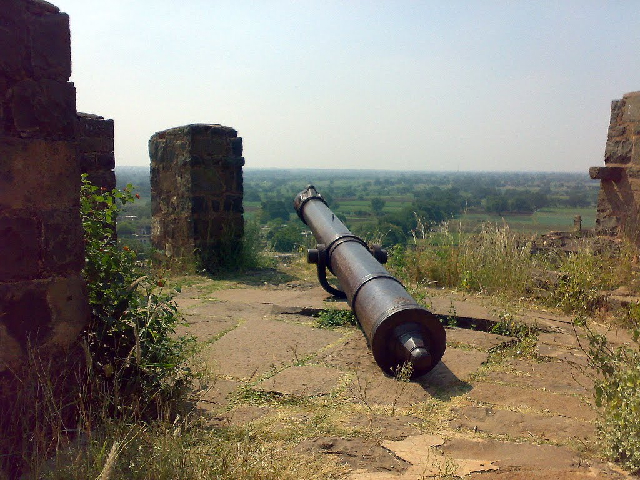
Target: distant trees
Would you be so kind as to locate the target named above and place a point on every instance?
(286, 238)
(377, 204)
(515, 201)
(275, 209)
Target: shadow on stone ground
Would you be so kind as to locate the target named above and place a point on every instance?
(486, 411)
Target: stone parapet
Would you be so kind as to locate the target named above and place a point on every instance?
(196, 192)
(43, 301)
(619, 198)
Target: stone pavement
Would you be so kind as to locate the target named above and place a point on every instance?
(487, 411)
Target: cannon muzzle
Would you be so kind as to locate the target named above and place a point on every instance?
(398, 330)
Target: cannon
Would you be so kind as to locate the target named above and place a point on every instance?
(397, 329)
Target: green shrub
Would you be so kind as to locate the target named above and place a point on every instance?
(131, 338)
(582, 277)
(336, 318)
(617, 394)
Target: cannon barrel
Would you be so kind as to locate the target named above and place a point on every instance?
(397, 329)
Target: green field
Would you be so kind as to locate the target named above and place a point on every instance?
(544, 220)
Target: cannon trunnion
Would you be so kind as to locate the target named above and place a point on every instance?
(397, 329)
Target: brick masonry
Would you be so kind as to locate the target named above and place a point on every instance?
(618, 210)
(43, 299)
(196, 193)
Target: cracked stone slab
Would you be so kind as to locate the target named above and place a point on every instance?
(518, 424)
(536, 399)
(309, 297)
(561, 353)
(259, 344)
(476, 338)
(455, 368)
(395, 427)
(359, 453)
(425, 459)
(510, 454)
(449, 303)
(553, 376)
(308, 380)
(586, 473)
(217, 395)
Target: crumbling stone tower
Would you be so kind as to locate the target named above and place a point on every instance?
(196, 194)
(619, 198)
(43, 300)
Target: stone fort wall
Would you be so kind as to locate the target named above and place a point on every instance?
(44, 147)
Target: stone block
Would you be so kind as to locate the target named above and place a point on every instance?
(200, 204)
(236, 147)
(51, 47)
(24, 310)
(207, 182)
(96, 161)
(206, 146)
(616, 131)
(95, 144)
(67, 300)
(618, 151)
(13, 13)
(13, 45)
(102, 178)
(633, 173)
(90, 125)
(41, 7)
(63, 247)
(37, 174)
(20, 246)
(42, 313)
(233, 203)
(617, 107)
(635, 150)
(606, 173)
(631, 109)
(43, 109)
(105, 161)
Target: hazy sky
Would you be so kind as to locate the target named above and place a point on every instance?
(403, 85)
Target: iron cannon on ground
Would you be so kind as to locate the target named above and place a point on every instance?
(397, 329)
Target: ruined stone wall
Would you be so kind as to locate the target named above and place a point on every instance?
(619, 198)
(42, 294)
(95, 137)
(196, 193)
